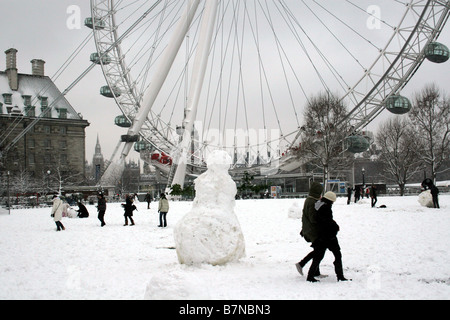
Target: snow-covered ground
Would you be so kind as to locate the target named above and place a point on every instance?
(398, 252)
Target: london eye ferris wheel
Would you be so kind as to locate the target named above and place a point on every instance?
(192, 76)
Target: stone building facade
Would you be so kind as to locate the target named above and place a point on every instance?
(40, 131)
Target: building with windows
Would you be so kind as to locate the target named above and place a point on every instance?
(40, 132)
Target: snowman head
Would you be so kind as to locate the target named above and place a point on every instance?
(218, 160)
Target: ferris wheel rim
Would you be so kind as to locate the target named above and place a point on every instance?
(158, 125)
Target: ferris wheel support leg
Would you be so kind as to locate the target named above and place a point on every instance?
(198, 75)
(163, 70)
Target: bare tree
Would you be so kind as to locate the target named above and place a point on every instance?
(399, 151)
(21, 182)
(61, 175)
(324, 133)
(430, 116)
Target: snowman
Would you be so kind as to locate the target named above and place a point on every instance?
(210, 233)
(426, 199)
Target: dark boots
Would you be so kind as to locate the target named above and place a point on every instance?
(339, 270)
(131, 220)
(59, 226)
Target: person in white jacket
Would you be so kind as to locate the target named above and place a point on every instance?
(57, 210)
(163, 208)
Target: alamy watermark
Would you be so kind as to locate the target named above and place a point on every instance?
(73, 21)
(374, 21)
(248, 143)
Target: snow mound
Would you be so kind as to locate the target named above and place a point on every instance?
(426, 199)
(210, 232)
(176, 286)
(295, 211)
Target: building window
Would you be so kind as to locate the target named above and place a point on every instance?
(30, 111)
(47, 143)
(47, 129)
(27, 100)
(63, 144)
(31, 143)
(63, 130)
(63, 158)
(63, 113)
(7, 97)
(44, 101)
(31, 159)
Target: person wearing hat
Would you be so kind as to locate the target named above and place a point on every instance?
(327, 237)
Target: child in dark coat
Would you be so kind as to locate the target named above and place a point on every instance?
(82, 211)
(129, 208)
(101, 207)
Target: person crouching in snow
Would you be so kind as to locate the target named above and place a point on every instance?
(327, 237)
(129, 208)
(82, 211)
(57, 210)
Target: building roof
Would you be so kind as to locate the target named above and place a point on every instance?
(35, 86)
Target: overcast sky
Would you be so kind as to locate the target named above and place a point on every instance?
(39, 29)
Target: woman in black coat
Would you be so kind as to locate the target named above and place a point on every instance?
(327, 237)
(129, 208)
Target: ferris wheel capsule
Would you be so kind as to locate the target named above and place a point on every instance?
(122, 121)
(356, 144)
(142, 146)
(109, 92)
(436, 52)
(95, 57)
(397, 104)
(99, 24)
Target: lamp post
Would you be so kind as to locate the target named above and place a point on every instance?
(363, 172)
(48, 181)
(9, 200)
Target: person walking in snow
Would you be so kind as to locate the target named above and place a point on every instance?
(357, 194)
(57, 210)
(327, 237)
(373, 195)
(148, 198)
(349, 194)
(309, 225)
(163, 208)
(129, 208)
(101, 207)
